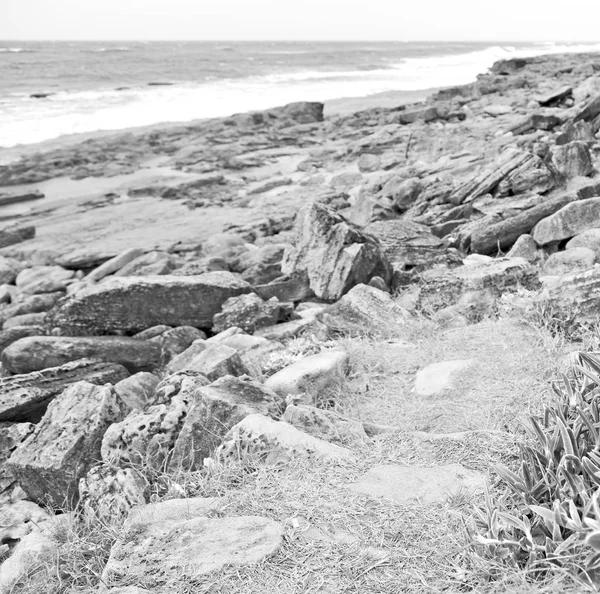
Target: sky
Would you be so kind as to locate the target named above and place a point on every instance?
(402, 20)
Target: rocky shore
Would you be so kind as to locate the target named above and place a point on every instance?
(186, 298)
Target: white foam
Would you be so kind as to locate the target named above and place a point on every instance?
(24, 120)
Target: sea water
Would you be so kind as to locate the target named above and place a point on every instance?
(49, 89)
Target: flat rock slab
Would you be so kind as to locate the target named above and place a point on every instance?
(166, 553)
(405, 484)
(438, 377)
(135, 303)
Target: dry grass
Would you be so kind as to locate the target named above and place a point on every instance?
(339, 541)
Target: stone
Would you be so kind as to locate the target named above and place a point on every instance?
(364, 311)
(25, 397)
(439, 377)
(148, 264)
(291, 329)
(369, 163)
(260, 440)
(109, 491)
(237, 339)
(12, 435)
(43, 279)
(588, 239)
(152, 332)
(65, 443)
(248, 312)
(212, 360)
(312, 376)
(571, 220)
(575, 131)
(268, 185)
(37, 321)
(497, 109)
(114, 264)
(554, 96)
(137, 390)
(174, 341)
(324, 424)
(406, 244)
(35, 353)
(578, 293)
(334, 253)
(9, 269)
(526, 248)
(158, 554)
(29, 305)
(173, 510)
(402, 192)
(569, 261)
(133, 304)
(263, 265)
(439, 289)
(572, 159)
(16, 234)
(20, 518)
(406, 484)
(214, 411)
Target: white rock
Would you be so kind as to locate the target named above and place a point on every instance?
(438, 377)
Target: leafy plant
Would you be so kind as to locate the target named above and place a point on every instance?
(548, 517)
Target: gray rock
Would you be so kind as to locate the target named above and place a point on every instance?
(174, 341)
(136, 303)
(577, 293)
(43, 279)
(571, 220)
(214, 411)
(158, 554)
(362, 311)
(248, 312)
(588, 239)
(9, 269)
(569, 261)
(11, 436)
(526, 248)
(35, 353)
(212, 360)
(148, 264)
(439, 377)
(16, 234)
(369, 163)
(260, 440)
(334, 253)
(115, 264)
(137, 390)
(572, 159)
(66, 443)
(324, 424)
(405, 484)
(25, 397)
(34, 320)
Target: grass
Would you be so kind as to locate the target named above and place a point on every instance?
(337, 540)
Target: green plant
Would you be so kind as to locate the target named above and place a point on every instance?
(548, 517)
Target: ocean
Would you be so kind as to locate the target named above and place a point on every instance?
(49, 89)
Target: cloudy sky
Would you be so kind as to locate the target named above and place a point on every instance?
(518, 20)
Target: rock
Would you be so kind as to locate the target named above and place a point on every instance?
(36, 321)
(554, 96)
(575, 131)
(115, 264)
(248, 312)
(572, 159)
(589, 111)
(110, 491)
(25, 397)
(35, 353)
(439, 289)
(20, 518)
(570, 220)
(32, 304)
(472, 307)
(148, 264)
(406, 244)
(405, 484)
(85, 258)
(333, 252)
(176, 340)
(15, 198)
(9, 269)
(570, 261)
(137, 390)
(268, 185)
(526, 248)
(158, 554)
(295, 288)
(291, 329)
(324, 424)
(212, 360)
(214, 411)
(43, 279)
(439, 377)
(16, 234)
(263, 265)
(65, 443)
(153, 332)
(237, 339)
(364, 310)
(260, 440)
(402, 192)
(588, 239)
(510, 159)
(368, 163)
(12, 435)
(135, 303)
(497, 109)
(33, 556)
(311, 376)
(577, 293)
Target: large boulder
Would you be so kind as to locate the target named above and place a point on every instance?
(133, 304)
(212, 360)
(572, 159)
(577, 294)
(215, 410)
(248, 312)
(569, 261)
(40, 352)
(571, 220)
(333, 252)
(25, 397)
(66, 443)
(588, 239)
(364, 310)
